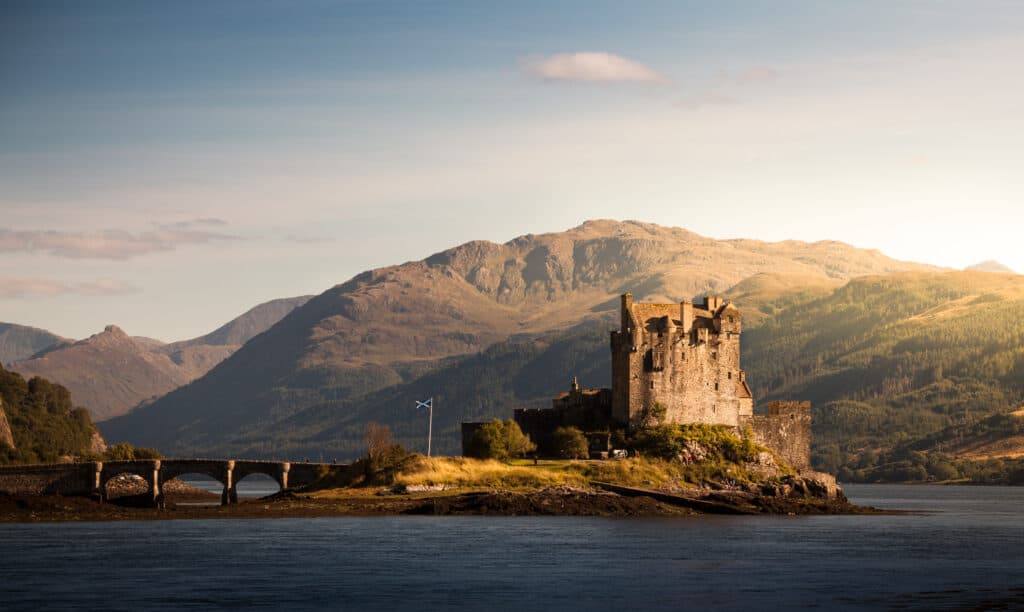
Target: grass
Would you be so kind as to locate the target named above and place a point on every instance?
(466, 472)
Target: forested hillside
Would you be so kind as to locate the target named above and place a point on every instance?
(44, 424)
(892, 360)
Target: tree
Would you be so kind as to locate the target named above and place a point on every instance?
(127, 452)
(570, 443)
(378, 440)
(499, 440)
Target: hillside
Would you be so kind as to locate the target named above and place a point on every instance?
(390, 326)
(19, 342)
(43, 424)
(110, 373)
(991, 266)
(891, 360)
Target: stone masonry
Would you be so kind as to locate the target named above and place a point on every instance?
(684, 357)
(786, 429)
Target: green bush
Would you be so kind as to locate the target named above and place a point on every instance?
(499, 440)
(667, 442)
(127, 452)
(570, 443)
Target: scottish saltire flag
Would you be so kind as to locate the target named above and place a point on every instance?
(427, 404)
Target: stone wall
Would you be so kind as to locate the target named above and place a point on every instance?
(786, 430)
(55, 479)
(6, 435)
(683, 356)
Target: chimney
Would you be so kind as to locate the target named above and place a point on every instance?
(686, 316)
(627, 311)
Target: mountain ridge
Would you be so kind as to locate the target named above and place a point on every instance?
(391, 325)
(111, 372)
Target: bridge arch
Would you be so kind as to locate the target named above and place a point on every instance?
(276, 470)
(217, 469)
(147, 470)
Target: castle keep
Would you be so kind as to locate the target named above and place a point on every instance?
(675, 363)
(683, 358)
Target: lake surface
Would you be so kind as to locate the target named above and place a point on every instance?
(966, 551)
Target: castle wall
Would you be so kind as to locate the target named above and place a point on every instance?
(683, 357)
(786, 430)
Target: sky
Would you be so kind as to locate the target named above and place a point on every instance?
(164, 166)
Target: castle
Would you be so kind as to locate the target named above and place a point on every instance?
(675, 363)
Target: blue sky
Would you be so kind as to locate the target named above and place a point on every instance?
(165, 166)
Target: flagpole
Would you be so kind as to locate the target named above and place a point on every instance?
(430, 426)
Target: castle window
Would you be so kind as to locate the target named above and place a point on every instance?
(730, 318)
(652, 384)
(716, 386)
(730, 375)
(714, 354)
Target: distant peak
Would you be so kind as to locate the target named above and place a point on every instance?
(990, 265)
(113, 329)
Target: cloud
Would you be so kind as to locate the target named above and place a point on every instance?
(301, 239)
(591, 66)
(203, 222)
(15, 288)
(756, 74)
(697, 101)
(109, 244)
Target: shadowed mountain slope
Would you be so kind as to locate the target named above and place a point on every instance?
(391, 326)
(19, 342)
(109, 373)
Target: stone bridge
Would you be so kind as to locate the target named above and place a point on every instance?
(90, 479)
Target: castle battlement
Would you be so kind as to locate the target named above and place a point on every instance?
(683, 357)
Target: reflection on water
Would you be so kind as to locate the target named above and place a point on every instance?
(252, 486)
(966, 552)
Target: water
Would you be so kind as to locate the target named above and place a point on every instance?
(967, 551)
(252, 486)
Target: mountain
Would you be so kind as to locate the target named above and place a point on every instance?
(392, 326)
(990, 266)
(249, 324)
(19, 342)
(892, 360)
(110, 372)
(913, 376)
(107, 372)
(42, 424)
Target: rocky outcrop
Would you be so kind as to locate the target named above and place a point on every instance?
(6, 435)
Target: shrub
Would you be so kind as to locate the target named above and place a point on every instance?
(127, 452)
(499, 440)
(570, 443)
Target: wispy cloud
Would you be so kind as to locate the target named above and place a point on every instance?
(111, 244)
(756, 74)
(15, 288)
(594, 66)
(696, 101)
(301, 239)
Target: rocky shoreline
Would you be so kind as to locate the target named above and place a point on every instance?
(609, 501)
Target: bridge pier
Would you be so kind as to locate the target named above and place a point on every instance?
(98, 490)
(230, 494)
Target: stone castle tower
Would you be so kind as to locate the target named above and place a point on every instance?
(684, 357)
